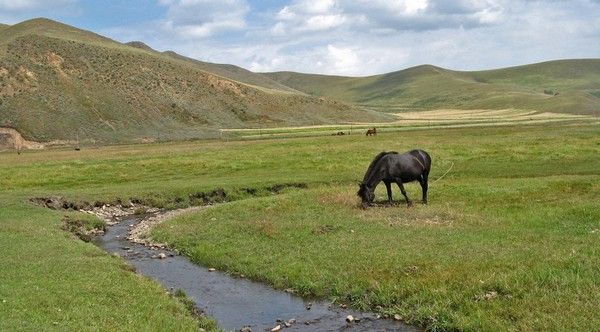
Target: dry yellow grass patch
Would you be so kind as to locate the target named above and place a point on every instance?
(396, 214)
(453, 115)
(442, 118)
(416, 216)
(343, 197)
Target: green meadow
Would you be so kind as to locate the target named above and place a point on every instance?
(509, 240)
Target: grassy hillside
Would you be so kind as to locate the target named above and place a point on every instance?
(225, 70)
(235, 73)
(58, 82)
(53, 29)
(566, 86)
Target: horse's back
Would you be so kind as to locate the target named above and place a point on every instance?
(422, 156)
(410, 165)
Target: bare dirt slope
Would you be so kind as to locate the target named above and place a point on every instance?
(10, 138)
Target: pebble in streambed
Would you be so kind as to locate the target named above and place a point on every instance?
(237, 303)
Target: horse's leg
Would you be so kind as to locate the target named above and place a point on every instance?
(388, 186)
(424, 186)
(401, 186)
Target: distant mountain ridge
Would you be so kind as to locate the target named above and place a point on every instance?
(564, 86)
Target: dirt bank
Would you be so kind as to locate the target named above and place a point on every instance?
(10, 138)
(140, 232)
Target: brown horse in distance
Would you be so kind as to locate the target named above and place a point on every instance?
(372, 132)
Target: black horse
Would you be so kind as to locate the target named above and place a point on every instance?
(395, 167)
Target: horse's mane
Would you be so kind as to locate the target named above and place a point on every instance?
(375, 160)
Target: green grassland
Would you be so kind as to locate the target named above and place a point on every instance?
(563, 86)
(53, 281)
(509, 239)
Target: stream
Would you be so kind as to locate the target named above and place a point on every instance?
(236, 302)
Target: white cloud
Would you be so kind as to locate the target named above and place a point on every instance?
(265, 65)
(415, 6)
(204, 18)
(310, 7)
(363, 37)
(385, 16)
(318, 7)
(21, 5)
(308, 16)
(343, 60)
(489, 16)
(278, 29)
(15, 11)
(394, 7)
(323, 22)
(421, 15)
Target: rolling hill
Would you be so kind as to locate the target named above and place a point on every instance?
(563, 86)
(58, 82)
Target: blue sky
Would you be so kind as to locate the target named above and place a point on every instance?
(344, 37)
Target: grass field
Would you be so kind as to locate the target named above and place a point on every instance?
(509, 239)
(419, 120)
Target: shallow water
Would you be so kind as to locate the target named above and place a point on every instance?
(236, 302)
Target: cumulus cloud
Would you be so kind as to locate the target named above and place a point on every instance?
(308, 16)
(21, 5)
(15, 11)
(387, 16)
(343, 60)
(364, 37)
(386, 35)
(204, 18)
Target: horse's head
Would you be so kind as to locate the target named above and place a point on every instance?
(366, 194)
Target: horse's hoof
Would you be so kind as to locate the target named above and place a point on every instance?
(409, 204)
(425, 202)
